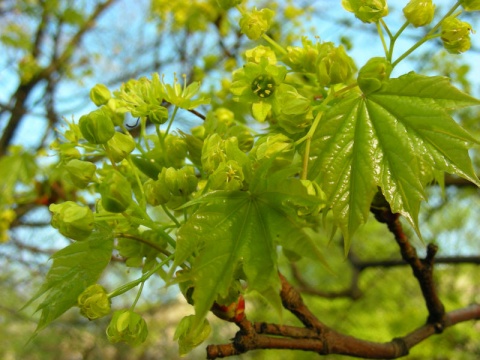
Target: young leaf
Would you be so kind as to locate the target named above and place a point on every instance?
(395, 139)
(74, 268)
(233, 229)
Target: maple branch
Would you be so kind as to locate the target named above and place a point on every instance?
(319, 338)
(422, 268)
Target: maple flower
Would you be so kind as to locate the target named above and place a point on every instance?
(257, 84)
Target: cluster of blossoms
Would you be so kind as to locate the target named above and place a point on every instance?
(222, 153)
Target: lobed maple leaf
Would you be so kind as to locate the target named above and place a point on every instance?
(395, 139)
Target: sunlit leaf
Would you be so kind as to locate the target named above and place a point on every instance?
(397, 139)
(234, 230)
(74, 268)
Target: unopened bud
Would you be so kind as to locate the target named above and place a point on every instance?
(128, 327)
(455, 35)
(80, 172)
(116, 192)
(94, 302)
(100, 94)
(97, 127)
(419, 12)
(72, 220)
(256, 22)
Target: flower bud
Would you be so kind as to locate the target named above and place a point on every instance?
(373, 74)
(419, 12)
(100, 94)
(180, 182)
(156, 192)
(255, 23)
(80, 172)
(334, 66)
(273, 144)
(72, 220)
(244, 137)
(175, 151)
(455, 35)
(128, 327)
(471, 5)
(97, 127)
(233, 312)
(295, 110)
(367, 10)
(120, 146)
(116, 192)
(189, 337)
(94, 302)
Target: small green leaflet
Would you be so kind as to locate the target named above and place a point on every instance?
(239, 229)
(395, 139)
(74, 268)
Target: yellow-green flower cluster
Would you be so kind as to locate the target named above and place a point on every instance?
(128, 327)
(419, 12)
(455, 35)
(367, 10)
(94, 302)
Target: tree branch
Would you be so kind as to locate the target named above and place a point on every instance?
(422, 269)
(321, 339)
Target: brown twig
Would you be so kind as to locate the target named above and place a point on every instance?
(422, 268)
(321, 339)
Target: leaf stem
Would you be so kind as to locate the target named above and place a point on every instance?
(394, 38)
(308, 139)
(382, 38)
(170, 215)
(171, 121)
(274, 44)
(128, 286)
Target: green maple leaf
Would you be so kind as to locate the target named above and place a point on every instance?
(396, 138)
(74, 268)
(241, 229)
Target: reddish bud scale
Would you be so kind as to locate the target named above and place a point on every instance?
(235, 312)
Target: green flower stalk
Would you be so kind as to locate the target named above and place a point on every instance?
(94, 302)
(72, 220)
(368, 11)
(256, 22)
(128, 327)
(419, 12)
(455, 35)
(100, 95)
